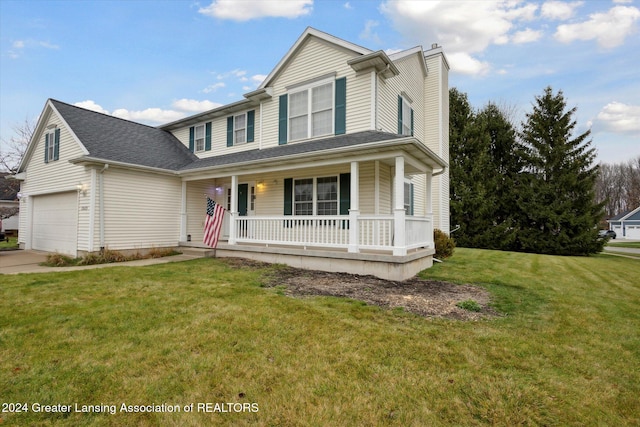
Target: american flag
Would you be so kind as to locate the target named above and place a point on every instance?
(213, 223)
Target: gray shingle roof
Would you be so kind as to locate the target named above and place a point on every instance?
(110, 138)
(346, 140)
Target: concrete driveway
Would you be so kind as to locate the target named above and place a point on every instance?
(21, 261)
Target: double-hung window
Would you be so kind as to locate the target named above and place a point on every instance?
(317, 196)
(52, 145)
(327, 191)
(199, 138)
(311, 111)
(303, 196)
(240, 129)
(405, 116)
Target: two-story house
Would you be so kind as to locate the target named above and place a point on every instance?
(337, 161)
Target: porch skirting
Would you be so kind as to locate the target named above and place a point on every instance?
(384, 266)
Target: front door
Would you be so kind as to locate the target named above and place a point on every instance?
(243, 199)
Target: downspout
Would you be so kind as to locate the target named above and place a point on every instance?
(102, 244)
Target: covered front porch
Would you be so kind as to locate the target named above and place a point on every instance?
(352, 212)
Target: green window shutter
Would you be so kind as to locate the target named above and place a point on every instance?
(251, 119)
(345, 193)
(230, 131)
(56, 145)
(412, 122)
(288, 196)
(207, 136)
(399, 115)
(192, 143)
(46, 148)
(341, 106)
(282, 119)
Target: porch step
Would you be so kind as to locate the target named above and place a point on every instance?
(196, 252)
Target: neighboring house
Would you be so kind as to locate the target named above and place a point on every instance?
(9, 203)
(338, 161)
(626, 225)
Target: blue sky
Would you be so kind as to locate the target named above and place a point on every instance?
(158, 61)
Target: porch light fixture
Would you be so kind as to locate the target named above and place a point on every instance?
(82, 188)
(260, 185)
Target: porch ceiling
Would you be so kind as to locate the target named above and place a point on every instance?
(361, 146)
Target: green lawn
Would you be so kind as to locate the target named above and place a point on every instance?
(11, 244)
(566, 351)
(624, 244)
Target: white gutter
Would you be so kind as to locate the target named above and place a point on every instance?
(102, 244)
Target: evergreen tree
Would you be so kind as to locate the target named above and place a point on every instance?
(501, 175)
(556, 197)
(468, 168)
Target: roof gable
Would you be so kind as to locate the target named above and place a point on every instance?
(311, 32)
(113, 139)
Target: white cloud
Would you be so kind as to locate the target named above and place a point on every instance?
(462, 28)
(559, 10)
(466, 64)
(258, 79)
(255, 9)
(18, 44)
(609, 29)
(527, 36)
(194, 106)
(369, 32)
(91, 105)
(213, 87)
(150, 115)
(181, 108)
(620, 118)
(348, 6)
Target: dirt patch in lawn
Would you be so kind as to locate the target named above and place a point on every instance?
(428, 298)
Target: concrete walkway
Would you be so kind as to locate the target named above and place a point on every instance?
(21, 261)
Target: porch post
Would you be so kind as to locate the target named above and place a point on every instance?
(429, 208)
(399, 245)
(234, 209)
(429, 198)
(354, 211)
(183, 213)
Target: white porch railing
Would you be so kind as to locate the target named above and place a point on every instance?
(418, 231)
(374, 232)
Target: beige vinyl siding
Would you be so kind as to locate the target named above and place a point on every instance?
(54, 177)
(197, 192)
(437, 133)
(219, 136)
(410, 81)
(141, 210)
(317, 58)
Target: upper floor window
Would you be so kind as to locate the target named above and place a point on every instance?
(240, 128)
(52, 145)
(405, 116)
(199, 138)
(311, 112)
(316, 108)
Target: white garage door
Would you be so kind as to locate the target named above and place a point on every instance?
(55, 219)
(633, 232)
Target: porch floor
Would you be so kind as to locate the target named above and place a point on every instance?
(376, 263)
